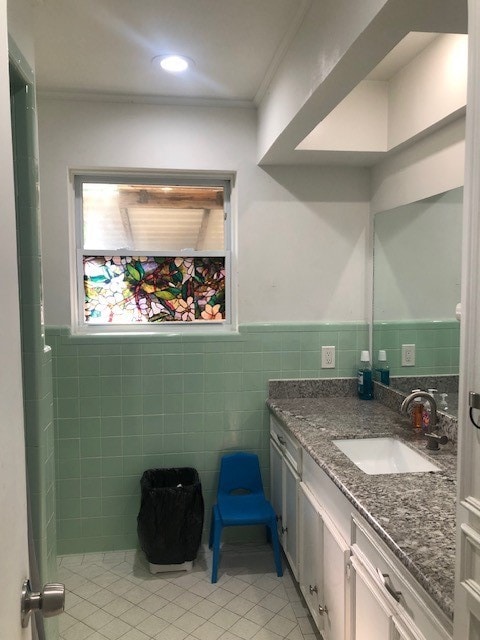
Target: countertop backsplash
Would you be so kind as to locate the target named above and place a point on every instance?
(347, 387)
(313, 388)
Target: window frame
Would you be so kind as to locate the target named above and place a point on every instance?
(186, 178)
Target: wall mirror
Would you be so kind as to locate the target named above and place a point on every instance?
(416, 287)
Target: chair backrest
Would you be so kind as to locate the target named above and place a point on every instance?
(240, 472)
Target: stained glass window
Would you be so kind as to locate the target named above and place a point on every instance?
(129, 289)
(152, 251)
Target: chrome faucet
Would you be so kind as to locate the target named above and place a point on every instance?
(433, 439)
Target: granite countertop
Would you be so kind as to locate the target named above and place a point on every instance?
(414, 513)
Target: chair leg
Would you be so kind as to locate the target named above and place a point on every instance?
(276, 547)
(212, 524)
(217, 535)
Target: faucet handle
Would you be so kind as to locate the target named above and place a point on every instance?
(433, 440)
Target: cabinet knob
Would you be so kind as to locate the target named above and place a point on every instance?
(284, 529)
(323, 610)
(313, 589)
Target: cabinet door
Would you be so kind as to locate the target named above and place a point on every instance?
(311, 546)
(336, 556)
(406, 630)
(276, 485)
(290, 511)
(372, 619)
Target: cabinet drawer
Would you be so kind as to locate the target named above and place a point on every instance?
(329, 496)
(290, 447)
(398, 586)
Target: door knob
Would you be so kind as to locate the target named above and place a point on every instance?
(50, 601)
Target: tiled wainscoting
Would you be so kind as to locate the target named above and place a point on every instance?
(437, 346)
(124, 404)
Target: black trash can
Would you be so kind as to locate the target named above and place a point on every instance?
(170, 520)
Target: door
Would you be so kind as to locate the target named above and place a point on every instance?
(311, 554)
(13, 526)
(404, 631)
(467, 586)
(276, 485)
(372, 617)
(290, 507)
(336, 556)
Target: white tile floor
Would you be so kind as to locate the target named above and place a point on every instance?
(112, 596)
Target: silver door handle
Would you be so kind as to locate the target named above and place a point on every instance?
(386, 582)
(50, 601)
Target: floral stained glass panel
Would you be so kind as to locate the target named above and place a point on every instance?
(131, 289)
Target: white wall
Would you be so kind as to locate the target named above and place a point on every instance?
(337, 45)
(379, 115)
(418, 259)
(302, 233)
(358, 123)
(434, 164)
(328, 30)
(432, 87)
(20, 22)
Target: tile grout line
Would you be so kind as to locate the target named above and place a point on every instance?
(183, 625)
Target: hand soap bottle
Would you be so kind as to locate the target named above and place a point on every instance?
(417, 412)
(365, 382)
(427, 411)
(383, 368)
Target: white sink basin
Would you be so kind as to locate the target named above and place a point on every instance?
(384, 455)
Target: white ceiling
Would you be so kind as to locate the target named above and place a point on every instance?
(106, 46)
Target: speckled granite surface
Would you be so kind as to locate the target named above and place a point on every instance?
(413, 513)
(446, 423)
(312, 388)
(443, 383)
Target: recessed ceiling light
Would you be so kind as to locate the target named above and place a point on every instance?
(173, 63)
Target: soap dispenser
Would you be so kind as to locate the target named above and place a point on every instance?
(365, 382)
(417, 412)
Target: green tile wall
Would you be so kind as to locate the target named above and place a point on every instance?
(126, 404)
(36, 358)
(39, 432)
(437, 346)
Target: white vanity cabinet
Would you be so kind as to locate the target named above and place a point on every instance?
(323, 567)
(386, 602)
(285, 469)
(354, 586)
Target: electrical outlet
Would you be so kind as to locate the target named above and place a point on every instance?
(408, 355)
(328, 357)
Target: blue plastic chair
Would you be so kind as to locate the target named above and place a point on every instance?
(241, 501)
